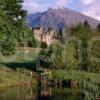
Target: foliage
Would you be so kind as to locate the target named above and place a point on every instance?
(98, 28)
(74, 53)
(63, 56)
(82, 31)
(43, 45)
(76, 75)
(90, 81)
(30, 39)
(12, 26)
(10, 77)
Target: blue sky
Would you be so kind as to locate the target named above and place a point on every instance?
(87, 7)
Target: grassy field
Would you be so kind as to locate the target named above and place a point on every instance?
(10, 77)
(20, 56)
(23, 61)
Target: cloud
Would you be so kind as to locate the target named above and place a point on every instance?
(91, 8)
(32, 6)
(42, 5)
(87, 7)
(61, 3)
(87, 2)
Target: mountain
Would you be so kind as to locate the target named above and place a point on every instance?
(58, 18)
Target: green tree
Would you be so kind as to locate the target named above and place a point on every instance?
(12, 26)
(63, 56)
(98, 28)
(69, 55)
(81, 31)
(56, 56)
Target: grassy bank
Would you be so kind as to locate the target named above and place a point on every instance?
(89, 82)
(76, 75)
(10, 77)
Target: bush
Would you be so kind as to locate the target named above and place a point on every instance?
(44, 45)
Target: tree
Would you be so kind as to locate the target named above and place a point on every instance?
(12, 26)
(98, 28)
(87, 25)
(56, 55)
(60, 35)
(44, 45)
(81, 31)
(63, 56)
(69, 56)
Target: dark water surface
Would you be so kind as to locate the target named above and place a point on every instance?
(41, 93)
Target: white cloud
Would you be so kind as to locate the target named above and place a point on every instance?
(88, 7)
(87, 2)
(61, 3)
(91, 8)
(31, 7)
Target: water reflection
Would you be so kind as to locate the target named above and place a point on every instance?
(43, 93)
(21, 93)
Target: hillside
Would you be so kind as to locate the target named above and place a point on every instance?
(58, 18)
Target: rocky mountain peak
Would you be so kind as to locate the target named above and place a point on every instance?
(59, 17)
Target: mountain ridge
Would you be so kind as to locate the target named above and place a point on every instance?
(56, 18)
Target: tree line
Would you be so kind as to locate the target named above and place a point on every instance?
(80, 50)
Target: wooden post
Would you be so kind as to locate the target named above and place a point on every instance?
(50, 74)
(17, 70)
(31, 74)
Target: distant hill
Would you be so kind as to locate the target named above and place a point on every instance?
(58, 18)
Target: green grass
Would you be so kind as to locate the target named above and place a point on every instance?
(89, 82)
(9, 77)
(9, 65)
(76, 75)
(20, 56)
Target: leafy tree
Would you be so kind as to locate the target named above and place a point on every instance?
(56, 55)
(98, 28)
(63, 56)
(82, 32)
(69, 56)
(87, 25)
(12, 26)
(44, 45)
(60, 35)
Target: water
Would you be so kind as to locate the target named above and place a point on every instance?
(41, 93)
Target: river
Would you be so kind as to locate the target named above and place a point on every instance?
(41, 93)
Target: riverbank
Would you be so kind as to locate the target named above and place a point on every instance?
(76, 75)
(19, 77)
(79, 76)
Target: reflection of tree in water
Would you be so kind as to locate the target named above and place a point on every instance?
(88, 91)
(19, 93)
(55, 93)
(60, 93)
(91, 91)
(44, 93)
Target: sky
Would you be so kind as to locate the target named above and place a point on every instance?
(87, 7)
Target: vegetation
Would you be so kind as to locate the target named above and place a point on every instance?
(76, 75)
(10, 77)
(12, 26)
(43, 45)
(90, 82)
(76, 52)
(76, 57)
(98, 28)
